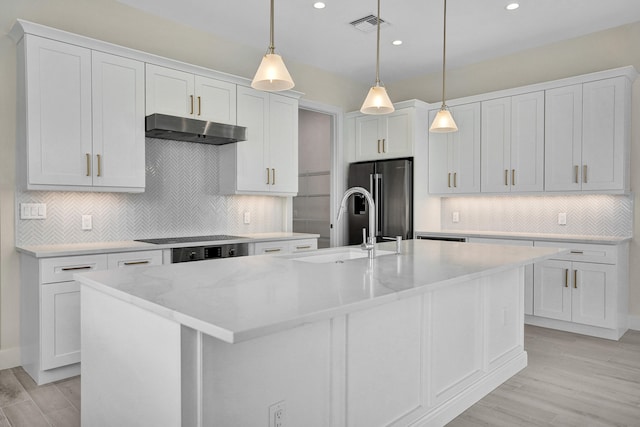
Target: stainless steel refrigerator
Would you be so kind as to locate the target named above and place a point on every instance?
(390, 182)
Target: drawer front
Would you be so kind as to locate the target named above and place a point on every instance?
(584, 252)
(303, 245)
(272, 248)
(134, 259)
(54, 270)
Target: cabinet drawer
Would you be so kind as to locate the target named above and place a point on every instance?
(62, 269)
(303, 245)
(272, 248)
(585, 252)
(133, 259)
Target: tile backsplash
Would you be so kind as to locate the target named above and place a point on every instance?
(180, 200)
(604, 215)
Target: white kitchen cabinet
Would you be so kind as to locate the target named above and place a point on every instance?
(528, 269)
(454, 158)
(584, 291)
(284, 246)
(512, 144)
(586, 136)
(183, 94)
(81, 121)
(386, 136)
(267, 162)
(50, 309)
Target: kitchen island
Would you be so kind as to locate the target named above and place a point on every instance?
(318, 338)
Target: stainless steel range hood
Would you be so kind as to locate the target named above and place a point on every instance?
(192, 130)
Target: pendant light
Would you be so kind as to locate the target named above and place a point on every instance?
(272, 74)
(443, 121)
(377, 100)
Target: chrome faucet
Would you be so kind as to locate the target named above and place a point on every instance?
(368, 244)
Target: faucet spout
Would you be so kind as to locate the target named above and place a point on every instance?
(368, 244)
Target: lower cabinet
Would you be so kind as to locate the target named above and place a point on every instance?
(50, 309)
(284, 246)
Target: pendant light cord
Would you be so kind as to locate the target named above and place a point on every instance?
(444, 50)
(272, 48)
(378, 49)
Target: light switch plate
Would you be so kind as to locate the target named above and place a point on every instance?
(33, 210)
(455, 216)
(247, 217)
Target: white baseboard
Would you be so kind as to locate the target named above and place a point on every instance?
(634, 322)
(9, 358)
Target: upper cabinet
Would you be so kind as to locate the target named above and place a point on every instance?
(587, 136)
(386, 136)
(454, 158)
(512, 143)
(267, 162)
(183, 94)
(81, 119)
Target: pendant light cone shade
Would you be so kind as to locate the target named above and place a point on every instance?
(443, 122)
(377, 100)
(272, 74)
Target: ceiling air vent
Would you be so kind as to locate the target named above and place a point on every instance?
(368, 23)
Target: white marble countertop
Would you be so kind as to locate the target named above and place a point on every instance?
(549, 237)
(70, 249)
(237, 299)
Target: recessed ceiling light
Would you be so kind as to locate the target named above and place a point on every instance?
(396, 42)
(512, 6)
(319, 5)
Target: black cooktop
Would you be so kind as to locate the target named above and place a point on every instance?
(190, 239)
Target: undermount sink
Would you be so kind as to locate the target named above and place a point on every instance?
(337, 255)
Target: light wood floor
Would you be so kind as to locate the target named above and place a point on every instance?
(571, 380)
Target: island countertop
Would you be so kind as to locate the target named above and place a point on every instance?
(237, 299)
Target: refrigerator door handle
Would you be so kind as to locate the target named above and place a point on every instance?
(377, 197)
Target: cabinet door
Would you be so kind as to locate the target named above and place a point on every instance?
(398, 141)
(169, 91)
(496, 146)
(603, 134)
(465, 149)
(369, 131)
(527, 142)
(58, 84)
(439, 162)
(60, 324)
(563, 138)
(118, 121)
(215, 100)
(552, 282)
(283, 144)
(252, 173)
(593, 295)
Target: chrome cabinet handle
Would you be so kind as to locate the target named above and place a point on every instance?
(136, 262)
(84, 267)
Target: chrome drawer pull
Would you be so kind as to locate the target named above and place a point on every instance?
(271, 250)
(84, 267)
(303, 247)
(577, 252)
(136, 262)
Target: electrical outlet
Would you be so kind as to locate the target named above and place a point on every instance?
(278, 414)
(247, 217)
(87, 222)
(562, 218)
(455, 216)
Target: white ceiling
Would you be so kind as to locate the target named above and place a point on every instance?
(476, 29)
